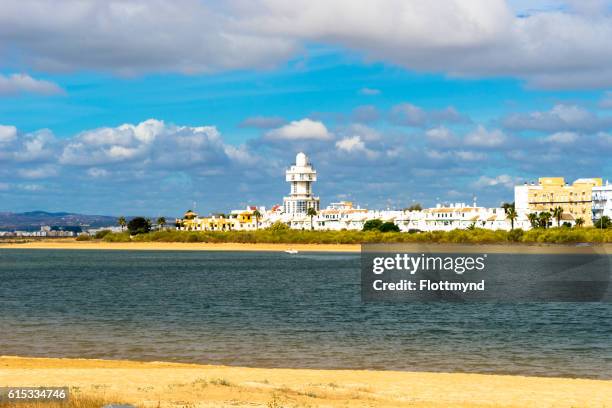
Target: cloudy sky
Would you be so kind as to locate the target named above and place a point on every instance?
(146, 106)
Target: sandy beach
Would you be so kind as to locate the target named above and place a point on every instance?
(171, 385)
(200, 246)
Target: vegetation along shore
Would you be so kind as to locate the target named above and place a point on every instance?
(280, 235)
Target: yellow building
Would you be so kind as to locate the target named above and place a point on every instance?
(192, 222)
(552, 192)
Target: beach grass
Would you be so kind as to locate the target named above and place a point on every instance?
(76, 400)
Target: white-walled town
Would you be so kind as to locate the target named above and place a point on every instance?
(582, 202)
(549, 201)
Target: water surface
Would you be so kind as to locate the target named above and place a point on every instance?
(276, 310)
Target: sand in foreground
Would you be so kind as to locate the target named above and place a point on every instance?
(208, 246)
(171, 385)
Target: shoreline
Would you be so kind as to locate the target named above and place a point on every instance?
(73, 244)
(166, 384)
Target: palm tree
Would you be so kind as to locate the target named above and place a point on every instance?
(579, 222)
(311, 213)
(557, 212)
(533, 220)
(122, 222)
(161, 221)
(545, 218)
(512, 216)
(257, 216)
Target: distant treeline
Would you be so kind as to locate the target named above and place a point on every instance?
(560, 235)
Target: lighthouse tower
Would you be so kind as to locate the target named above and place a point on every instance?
(301, 176)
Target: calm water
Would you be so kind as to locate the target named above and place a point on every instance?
(276, 310)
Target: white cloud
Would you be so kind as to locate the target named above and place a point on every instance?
(151, 141)
(304, 129)
(561, 117)
(187, 36)
(467, 155)
(503, 180)
(436, 154)
(7, 133)
(441, 137)
(41, 172)
(96, 172)
(562, 137)
(350, 144)
(354, 144)
(481, 137)
(366, 133)
(552, 47)
(471, 38)
(36, 146)
(408, 114)
(459, 155)
(23, 83)
(241, 154)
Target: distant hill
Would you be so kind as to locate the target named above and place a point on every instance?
(33, 220)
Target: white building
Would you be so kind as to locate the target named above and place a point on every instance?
(602, 201)
(300, 176)
(453, 216)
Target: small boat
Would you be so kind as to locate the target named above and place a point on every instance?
(291, 251)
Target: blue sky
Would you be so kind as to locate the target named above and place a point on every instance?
(149, 109)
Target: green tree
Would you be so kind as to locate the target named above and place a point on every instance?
(122, 222)
(257, 216)
(372, 225)
(139, 225)
(512, 216)
(161, 221)
(557, 212)
(533, 220)
(414, 207)
(579, 222)
(311, 212)
(603, 222)
(545, 218)
(388, 226)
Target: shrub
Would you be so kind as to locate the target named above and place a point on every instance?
(102, 234)
(372, 225)
(515, 235)
(388, 227)
(117, 237)
(83, 237)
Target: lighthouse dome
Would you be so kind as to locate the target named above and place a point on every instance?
(301, 159)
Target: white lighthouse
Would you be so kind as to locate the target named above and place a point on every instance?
(301, 176)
